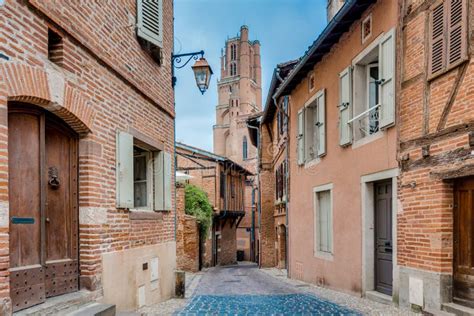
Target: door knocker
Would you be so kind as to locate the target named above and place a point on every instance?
(53, 177)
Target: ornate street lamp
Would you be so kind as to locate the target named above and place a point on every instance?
(202, 70)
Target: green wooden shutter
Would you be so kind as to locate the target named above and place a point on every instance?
(345, 107)
(150, 21)
(124, 170)
(387, 77)
(300, 137)
(162, 181)
(321, 126)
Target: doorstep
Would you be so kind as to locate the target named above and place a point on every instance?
(58, 304)
(379, 297)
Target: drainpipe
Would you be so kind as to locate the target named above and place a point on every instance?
(259, 198)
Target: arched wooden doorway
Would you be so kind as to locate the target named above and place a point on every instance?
(43, 199)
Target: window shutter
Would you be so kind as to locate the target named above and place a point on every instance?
(150, 21)
(300, 137)
(167, 182)
(163, 173)
(321, 123)
(309, 129)
(437, 39)
(387, 76)
(345, 107)
(457, 31)
(124, 170)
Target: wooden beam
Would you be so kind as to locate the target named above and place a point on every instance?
(448, 174)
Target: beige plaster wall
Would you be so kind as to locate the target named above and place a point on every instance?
(123, 275)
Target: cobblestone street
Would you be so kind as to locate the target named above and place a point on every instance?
(246, 290)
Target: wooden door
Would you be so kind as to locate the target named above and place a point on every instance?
(43, 207)
(383, 237)
(464, 242)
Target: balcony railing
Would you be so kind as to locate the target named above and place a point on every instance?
(368, 121)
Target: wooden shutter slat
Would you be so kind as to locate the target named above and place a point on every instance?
(167, 170)
(456, 31)
(158, 171)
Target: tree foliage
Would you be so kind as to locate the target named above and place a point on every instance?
(197, 204)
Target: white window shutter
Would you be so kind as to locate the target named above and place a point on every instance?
(167, 181)
(387, 77)
(309, 145)
(321, 123)
(345, 107)
(162, 180)
(300, 137)
(158, 179)
(124, 170)
(150, 21)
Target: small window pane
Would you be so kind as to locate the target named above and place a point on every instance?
(324, 226)
(140, 184)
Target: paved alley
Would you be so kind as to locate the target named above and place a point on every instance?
(246, 290)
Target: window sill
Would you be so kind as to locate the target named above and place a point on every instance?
(368, 139)
(137, 214)
(312, 162)
(324, 255)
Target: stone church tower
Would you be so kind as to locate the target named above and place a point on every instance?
(240, 95)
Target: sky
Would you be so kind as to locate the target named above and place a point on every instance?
(285, 29)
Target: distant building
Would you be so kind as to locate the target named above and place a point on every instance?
(269, 131)
(86, 198)
(239, 95)
(224, 183)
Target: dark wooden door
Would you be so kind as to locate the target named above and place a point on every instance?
(464, 242)
(383, 237)
(43, 207)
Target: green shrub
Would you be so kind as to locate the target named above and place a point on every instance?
(197, 204)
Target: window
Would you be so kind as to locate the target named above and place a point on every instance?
(366, 28)
(222, 185)
(311, 82)
(323, 226)
(143, 175)
(312, 129)
(55, 48)
(244, 148)
(280, 183)
(448, 35)
(282, 117)
(233, 69)
(367, 101)
(150, 27)
(233, 52)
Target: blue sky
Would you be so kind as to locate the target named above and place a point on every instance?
(285, 29)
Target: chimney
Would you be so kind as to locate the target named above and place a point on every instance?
(333, 8)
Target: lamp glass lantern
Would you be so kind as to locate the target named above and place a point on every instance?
(202, 73)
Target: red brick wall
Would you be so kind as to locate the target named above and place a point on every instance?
(110, 84)
(187, 236)
(425, 230)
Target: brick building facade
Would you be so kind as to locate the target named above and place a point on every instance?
(273, 176)
(239, 95)
(436, 117)
(87, 116)
(224, 183)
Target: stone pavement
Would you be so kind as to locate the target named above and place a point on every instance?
(246, 290)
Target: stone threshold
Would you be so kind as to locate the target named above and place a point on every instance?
(379, 297)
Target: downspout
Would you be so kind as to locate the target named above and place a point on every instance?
(259, 198)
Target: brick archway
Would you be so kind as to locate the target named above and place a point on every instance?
(51, 90)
